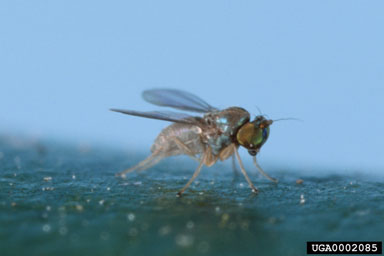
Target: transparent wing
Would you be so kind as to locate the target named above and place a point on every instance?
(177, 99)
(162, 115)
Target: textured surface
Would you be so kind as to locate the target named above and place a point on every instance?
(61, 200)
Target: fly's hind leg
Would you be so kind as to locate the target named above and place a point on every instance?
(146, 163)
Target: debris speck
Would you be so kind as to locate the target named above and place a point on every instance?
(108, 188)
(79, 207)
(302, 199)
(137, 183)
(48, 208)
(73, 177)
(63, 231)
(101, 202)
(131, 217)
(299, 181)
(165, 230)
(183, 240)
(190, 224)
(47, 188)
(46, 228)
(47, 178)
(133, 232)
(13, 204)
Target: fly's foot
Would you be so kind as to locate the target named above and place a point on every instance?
(255, 190)
(179, 194)
(121, 175)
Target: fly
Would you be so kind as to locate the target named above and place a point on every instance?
(213, 136)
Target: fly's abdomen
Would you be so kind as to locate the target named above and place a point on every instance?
(177, 137)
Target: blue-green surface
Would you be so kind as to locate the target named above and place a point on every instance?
(65, 200)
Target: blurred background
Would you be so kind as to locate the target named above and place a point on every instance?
(63, 64)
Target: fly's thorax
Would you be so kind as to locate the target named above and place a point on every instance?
(222, 126)
(253, 135)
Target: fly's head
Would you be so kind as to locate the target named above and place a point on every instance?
(253, 135)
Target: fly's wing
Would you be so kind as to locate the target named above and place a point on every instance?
(177, 99)
(162, 115)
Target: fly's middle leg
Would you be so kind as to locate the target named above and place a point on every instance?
(195, 174)
(184, 148)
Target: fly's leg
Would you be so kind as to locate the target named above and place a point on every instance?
(234, 168)
(155, 157)
(195, 174)
(254, 189)
(182, 146)
(262, 171)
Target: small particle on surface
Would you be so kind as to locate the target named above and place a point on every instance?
(47, 188)
(217, 209)
(203, 247)
(183, 240)
(108, 188)
(165, 230)
(299, 181)
(190, 224)
(302, 199)
(79, 207)
(48, 208)
(201, 193)
(137, 183)
(13, 204)
(10, 184)
(104, 236)
(241, 185)
(133, 232)
(224, 219)
(47, 178)
(46, 228)
(131, 217)
(63, 231)
(73, 177)
(101, 202)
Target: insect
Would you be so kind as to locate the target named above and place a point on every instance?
(213, 136)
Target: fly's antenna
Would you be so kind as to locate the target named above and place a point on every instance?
(288, 118)
(260, 112)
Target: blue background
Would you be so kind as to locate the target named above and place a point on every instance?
(63, 64)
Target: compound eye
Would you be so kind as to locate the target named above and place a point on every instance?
(252, 152)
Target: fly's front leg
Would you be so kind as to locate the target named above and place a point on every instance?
(262, 171)
(254, 189)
